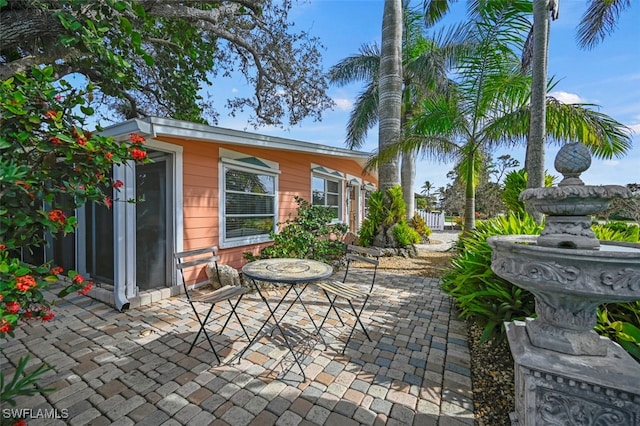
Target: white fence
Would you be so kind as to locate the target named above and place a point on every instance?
(434, 220)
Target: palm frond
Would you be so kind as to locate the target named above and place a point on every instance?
(361, 67)
(605, 136)
(599, 20)
(363, 117)
(434, 10)
(433, 147)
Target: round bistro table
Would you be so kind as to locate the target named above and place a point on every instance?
(297, 274)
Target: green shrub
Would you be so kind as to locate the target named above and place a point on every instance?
(617, 231)
(308, 235)
(480, 293)
(405, 234)
(420, 225)
(491, 301)
(375, 217)
(621, 323)
(514, 183)
(386, 209)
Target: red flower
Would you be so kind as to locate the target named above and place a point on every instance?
(55, 140)
(25, 283)
(2, 247)
(81, 140)
(57, 216)
(138, 154)
(12, 307)
(48, 317)
(51, 114)
(108, 156)
(85, 290)
(136, 138)
(108, 202)
(57, 270)
(78, 279)
(5, 327)
(118, 184)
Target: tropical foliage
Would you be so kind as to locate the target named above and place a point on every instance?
(310, 234)
(386, 224)
(425, 61)
(514, 183)
(478, 292)
(490, 300)
(489, 105)
(420, 225)
(50, 166)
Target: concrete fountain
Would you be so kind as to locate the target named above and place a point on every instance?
(565, 373)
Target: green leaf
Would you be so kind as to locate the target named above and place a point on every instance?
(125, 25)
(136, 39)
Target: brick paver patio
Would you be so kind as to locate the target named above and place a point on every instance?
(131, 368)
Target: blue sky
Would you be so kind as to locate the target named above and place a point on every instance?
(608, 75)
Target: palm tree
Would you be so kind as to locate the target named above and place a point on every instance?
(390, 90)
(490, 106)
(426, 188)
(425, 64)
(599, 20)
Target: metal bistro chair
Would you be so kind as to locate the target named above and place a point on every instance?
(205, 256)
(350, 291)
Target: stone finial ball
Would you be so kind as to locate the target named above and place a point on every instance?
(573, 159)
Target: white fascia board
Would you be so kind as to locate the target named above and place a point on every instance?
(153, 126)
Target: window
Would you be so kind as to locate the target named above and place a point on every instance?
(249, 203)
(367, 189)
(327, 191)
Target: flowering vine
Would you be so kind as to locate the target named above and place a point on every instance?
(50, 166)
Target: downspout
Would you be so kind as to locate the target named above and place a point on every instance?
(119, 229)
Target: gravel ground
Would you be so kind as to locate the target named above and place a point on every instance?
(491, 363)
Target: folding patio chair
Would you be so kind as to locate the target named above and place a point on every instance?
(204, 256)
(351, 291)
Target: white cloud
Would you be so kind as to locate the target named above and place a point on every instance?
(343, 104)
(610, 163)
(567, 98)
(635, 128)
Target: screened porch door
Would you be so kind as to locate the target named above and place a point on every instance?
(143, 228)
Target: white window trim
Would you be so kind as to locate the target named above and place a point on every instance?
(330, 175)
(230, 163)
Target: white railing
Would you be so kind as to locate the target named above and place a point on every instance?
(435, 220)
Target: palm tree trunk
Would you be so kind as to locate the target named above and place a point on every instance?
(407, 179)
(390, 90)
(470, 197)
(534, 160)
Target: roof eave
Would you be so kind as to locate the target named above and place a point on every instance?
(155, 126)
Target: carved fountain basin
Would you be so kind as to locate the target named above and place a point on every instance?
(611, 274)
(569, 284)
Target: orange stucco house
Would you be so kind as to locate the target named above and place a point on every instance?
(206, 186)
